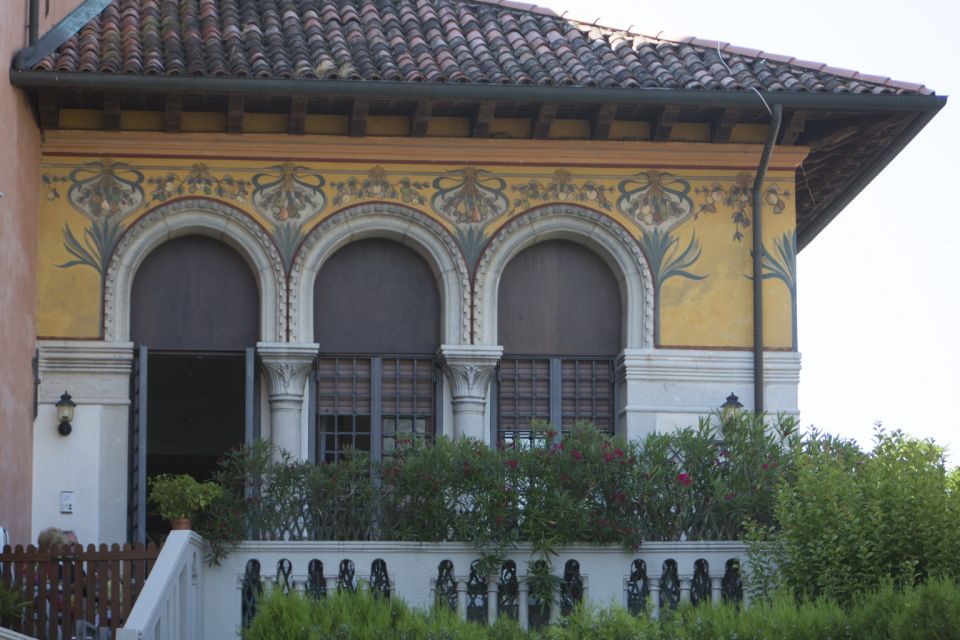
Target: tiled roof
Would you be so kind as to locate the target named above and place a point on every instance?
(439, 41)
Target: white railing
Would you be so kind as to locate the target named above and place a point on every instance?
(8, 634)
(169, 606)
(413, 571)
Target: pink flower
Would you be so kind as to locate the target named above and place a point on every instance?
(577, 455)
(684, 479)
(512, 464)
(618, 453)
(730, 496)
(765, 466)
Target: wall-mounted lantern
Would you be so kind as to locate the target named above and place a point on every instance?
(65, 407)
(731, 409)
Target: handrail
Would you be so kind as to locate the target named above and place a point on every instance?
(169, 604)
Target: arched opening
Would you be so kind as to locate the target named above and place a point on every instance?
(194, 315)
(377, 321)
(559, 321)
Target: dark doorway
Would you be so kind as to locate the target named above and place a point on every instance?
(195, 316)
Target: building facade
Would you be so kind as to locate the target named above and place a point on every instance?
(438, 230)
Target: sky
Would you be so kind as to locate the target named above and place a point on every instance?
(879, 288)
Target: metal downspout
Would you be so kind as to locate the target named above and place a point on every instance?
(772, 133)
(33, 24)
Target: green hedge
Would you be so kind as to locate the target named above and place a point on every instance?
(929, 611)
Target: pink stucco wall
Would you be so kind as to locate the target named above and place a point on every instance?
(20, 159)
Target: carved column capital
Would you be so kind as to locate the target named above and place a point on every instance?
(287, 366)
(468, 369)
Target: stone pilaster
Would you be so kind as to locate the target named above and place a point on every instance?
(468, 369)
(287, 366)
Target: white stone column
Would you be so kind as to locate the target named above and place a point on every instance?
(468, 369)
(287, 366)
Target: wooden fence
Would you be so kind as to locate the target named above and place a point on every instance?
(95, 587)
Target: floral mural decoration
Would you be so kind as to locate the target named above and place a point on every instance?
(470, 195)
(562, 188)
(667, 261)
(738, 198)
(105, 192)
(289, 194)
(655, 199)
(782, 266)
(378, 185)
(199, 180)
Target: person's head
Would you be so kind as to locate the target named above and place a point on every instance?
(51, 538)
(71, 536)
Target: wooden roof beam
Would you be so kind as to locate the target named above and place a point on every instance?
(795, 125)
(663, 126)
(235, 108)
(603, 122)
(49, 110)
(722, 126)
(482, 119)
(359, 114)
(542, 123)
(172, 113)
(111, 111)
(297, 121)
(420, 119)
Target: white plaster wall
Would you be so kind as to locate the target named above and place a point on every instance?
(92, 461)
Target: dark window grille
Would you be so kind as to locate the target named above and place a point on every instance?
(372, 403)
(557, 390)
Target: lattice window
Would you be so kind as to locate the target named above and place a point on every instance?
(571, 589)
(373, 403)
(669, 586)
(586, 392)
(560, 391)
(523, 395)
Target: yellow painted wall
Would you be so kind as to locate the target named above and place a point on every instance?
(706, 303)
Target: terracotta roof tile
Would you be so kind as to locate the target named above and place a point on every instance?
(474, 41)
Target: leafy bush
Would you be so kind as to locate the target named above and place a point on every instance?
(929, 611)
(851, 520)
(12, 606)
(181, 496)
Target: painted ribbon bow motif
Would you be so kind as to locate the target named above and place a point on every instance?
(655, 199)
(469, 195)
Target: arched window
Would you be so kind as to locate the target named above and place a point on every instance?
(194, 315)
(377, 321)
(558, 319)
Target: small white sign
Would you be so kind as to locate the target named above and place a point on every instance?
(66, 502)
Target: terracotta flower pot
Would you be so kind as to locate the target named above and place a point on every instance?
(180, 524)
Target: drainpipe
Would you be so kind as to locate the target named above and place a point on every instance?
(33, 28)
(772, 134)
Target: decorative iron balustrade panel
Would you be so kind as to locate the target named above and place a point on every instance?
(477, 594)
(538, 603)
(508, 601)
(700, 588)
(638, 588)
(571, 589)
(346, 579)
(732, 585)
(379, 579)
(669, 586)
(284, 569)
(250, 591)
(446, 586)
(316, 583)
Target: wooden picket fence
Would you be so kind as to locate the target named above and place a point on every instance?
(74, 588)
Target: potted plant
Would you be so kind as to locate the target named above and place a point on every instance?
(179, 498)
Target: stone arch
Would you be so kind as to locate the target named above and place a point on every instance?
(200, 217)
(593, 230)
(393, 222)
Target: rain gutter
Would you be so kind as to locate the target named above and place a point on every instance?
(758, 251)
